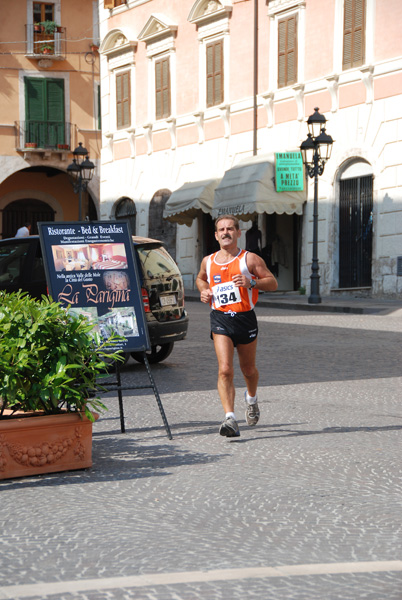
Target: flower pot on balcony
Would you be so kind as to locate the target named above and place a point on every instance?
(32, 444)
(63, 146)
(31, 145)
(37, 28)
(94, 48)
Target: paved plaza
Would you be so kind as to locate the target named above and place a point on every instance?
(305, 506)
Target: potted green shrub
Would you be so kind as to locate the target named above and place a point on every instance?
(51, 363)
(50, 27)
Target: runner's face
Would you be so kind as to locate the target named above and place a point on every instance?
(226, 233)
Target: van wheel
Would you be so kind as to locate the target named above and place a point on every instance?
(157, 353)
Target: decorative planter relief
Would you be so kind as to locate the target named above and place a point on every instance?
(32, 445)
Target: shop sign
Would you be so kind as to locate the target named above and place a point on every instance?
(289, 172)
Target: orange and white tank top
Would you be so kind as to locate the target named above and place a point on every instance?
(228, 297)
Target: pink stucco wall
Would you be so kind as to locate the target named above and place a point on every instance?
(161, 141)
(214, 129)
(387, 86)
(285, 111)
(187, 135)
(318, 54)
(352, 94)
(320, 99)
(121, 150)
(388, 22)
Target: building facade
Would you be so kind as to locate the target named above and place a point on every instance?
(199, 96)
(49, 82)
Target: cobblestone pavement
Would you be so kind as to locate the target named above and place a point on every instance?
(305, 506)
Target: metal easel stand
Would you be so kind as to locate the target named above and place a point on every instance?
(119, 388)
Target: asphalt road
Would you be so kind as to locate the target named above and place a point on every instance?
(305, 506)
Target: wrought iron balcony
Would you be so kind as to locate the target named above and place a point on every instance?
(41, 44)
(43, 135)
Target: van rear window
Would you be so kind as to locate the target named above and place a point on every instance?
(156, 262)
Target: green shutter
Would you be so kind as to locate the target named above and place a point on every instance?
(55, 111)
(44, 111)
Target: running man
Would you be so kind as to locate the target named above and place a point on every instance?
(229, 281)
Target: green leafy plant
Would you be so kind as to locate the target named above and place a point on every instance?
(49, 27)
(302, 290)
(46, 49)
(50, 360)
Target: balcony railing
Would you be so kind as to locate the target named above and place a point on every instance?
(43, 135)
(40, 44)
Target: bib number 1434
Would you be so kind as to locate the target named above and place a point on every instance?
(226, 294)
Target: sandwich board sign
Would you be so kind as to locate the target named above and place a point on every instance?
(92, 269)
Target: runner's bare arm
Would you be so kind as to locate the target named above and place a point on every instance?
(266, 282)
(202, 283)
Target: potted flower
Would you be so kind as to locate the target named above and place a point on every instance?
(31, 145)
(46, 49)
(50, 365)
(63, 146)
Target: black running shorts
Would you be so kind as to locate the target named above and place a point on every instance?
(241, 327)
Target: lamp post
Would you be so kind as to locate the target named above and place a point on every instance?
(316, 150)
(80, 173)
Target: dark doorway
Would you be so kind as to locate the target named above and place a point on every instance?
(209, 243)
(355, 232)
(126, 210)
(158, 227)
(19, 212)
(282, 250)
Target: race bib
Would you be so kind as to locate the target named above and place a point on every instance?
(226, 294)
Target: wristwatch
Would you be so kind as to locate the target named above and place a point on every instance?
(253, 283)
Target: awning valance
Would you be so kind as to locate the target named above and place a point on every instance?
(249, 188)
(190, 200)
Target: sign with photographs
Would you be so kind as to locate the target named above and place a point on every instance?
(91, 267)
(289, 172)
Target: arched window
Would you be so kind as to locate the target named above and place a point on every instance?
(126, 210)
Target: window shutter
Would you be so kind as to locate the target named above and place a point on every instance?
(123, 113)
(55, 112)
(287, 51)
(158, 90)
(45, 111)
(108, 3)
(214, 73)
(354, 33)
(162, 88)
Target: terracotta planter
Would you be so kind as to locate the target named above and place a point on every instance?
(31, 145)
(32, 445)
(63, 146)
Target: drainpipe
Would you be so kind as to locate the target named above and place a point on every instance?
(255, 114)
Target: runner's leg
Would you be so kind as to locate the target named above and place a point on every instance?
(247, 354)
(224, 352)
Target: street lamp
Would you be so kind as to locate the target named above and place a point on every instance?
(316, 150)
(80, 173)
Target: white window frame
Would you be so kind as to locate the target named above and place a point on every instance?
(368, 35)
(278, 10)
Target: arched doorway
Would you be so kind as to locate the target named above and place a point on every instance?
(126, 209)
(23, 211)
(158, 227)
(355, 226)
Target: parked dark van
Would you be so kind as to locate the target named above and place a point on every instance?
(21, 267)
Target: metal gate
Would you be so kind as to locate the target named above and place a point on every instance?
(19, 212)
(355, 232)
